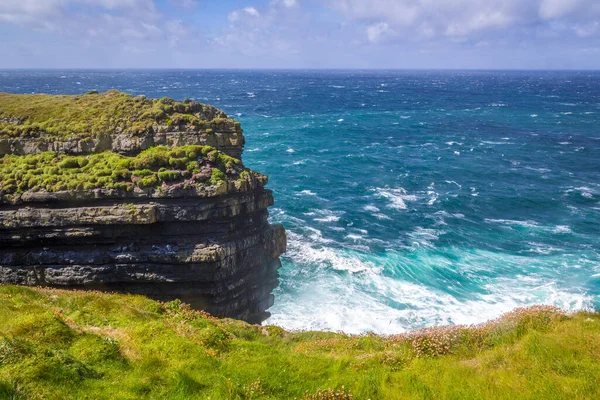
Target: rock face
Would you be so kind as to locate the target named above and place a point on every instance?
(209, 245)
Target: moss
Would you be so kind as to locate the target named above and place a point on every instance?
(151, 168)
(217, 177)
(168, 176)
(94, 114)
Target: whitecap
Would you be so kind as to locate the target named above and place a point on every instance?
(371, 208)
(329, 218)
(528, 223)
(353, 236)
(396, 196)
(382, 216)
(455, 183)
(340, 120)
(562, 229)
(290, 150)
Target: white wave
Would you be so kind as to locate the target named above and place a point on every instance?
(365, 299)
(455, 183)
(491, 142)
(290, 150)
(397, 197)
(329, 218)
(584, 191)
(528, 223)
(562, 229)
(308, 193)
(498, 105)
(371, 208)
(434, 197)
(381, 216)
(353, 236)
(533, 115)
(340, 120)
(251, 94)
(423, 237)
(542, 248)
(405, 116)
(337, 86)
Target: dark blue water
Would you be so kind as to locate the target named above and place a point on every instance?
(410, 198)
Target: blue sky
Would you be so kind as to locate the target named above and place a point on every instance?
(437, 34)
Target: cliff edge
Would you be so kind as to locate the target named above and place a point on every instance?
(121, 193)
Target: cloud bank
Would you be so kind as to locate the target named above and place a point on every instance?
(303, 33)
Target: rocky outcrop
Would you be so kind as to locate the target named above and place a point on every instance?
(209, 244)
(225, 137)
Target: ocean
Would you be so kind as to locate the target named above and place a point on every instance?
(410, 198)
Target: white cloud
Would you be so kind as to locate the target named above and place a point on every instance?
(461, 18)
(375, 31)
(129, 19)
(550, 9)
(290, 3)
(252, 11)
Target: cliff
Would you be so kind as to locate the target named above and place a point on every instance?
(57, 344)
(111, 208)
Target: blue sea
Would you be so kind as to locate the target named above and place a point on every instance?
(410, 198)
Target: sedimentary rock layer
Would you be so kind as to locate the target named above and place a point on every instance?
(185, 223)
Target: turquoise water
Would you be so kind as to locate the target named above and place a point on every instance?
(410, 198)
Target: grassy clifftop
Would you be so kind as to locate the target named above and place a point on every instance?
(86, 345)
(96, 114)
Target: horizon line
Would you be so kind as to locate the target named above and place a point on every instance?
(299, 69)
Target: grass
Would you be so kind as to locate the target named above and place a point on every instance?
(58, 344)
(94, 114)
(152, 168)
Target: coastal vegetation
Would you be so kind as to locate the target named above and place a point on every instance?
(57, 344)
(94, 114)
(154, 167)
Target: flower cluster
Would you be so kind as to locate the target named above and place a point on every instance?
(328, 394)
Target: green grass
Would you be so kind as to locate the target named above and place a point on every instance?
(94, 114)
(151, 168)
(87, 345)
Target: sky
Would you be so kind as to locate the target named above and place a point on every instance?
(408, 34)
